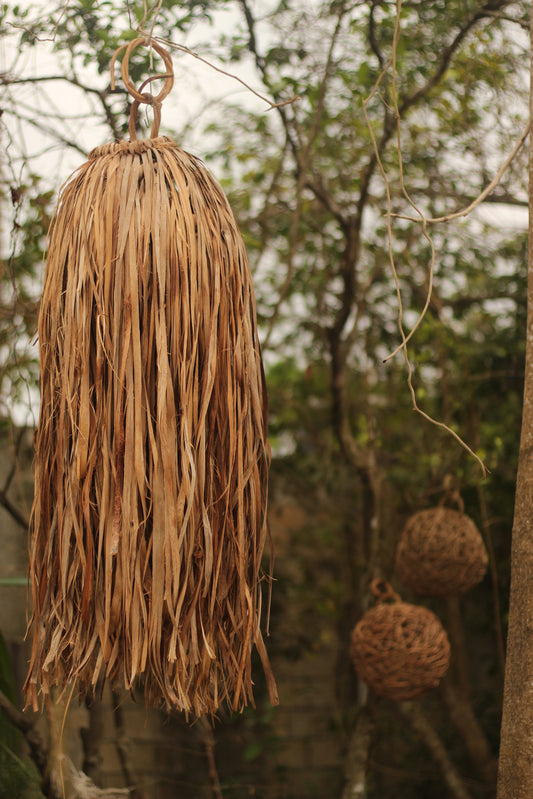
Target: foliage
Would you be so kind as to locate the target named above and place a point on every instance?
(17, 775)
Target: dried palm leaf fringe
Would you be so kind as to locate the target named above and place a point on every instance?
(149, 517)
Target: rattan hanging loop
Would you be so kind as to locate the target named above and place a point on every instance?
(399, 650)
(138, 95)
(441, 553)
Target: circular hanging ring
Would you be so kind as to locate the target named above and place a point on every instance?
(383, 591)
(138, 95)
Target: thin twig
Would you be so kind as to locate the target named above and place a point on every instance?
(412, 712)
(209, 743)
(183, 49)
(391, 65)
(303, 168)
(483, 195)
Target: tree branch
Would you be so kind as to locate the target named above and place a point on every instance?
(102, 94)
(209, 744)
(38, 751)
(300, 153)
(38, 124)
(124, 747)
(13, 511)
(372, 35)
(356, 763)
(468, 727)
(486, 191)
(16, 449)
(390, 120)
(261, 66)
(91, 738)
(412, 712)
(449, 52)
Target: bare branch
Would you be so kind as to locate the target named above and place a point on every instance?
(372, 35)
(13, 511)
(448, 54)
(412, 712)
(358, 755)
(209, 744)
(468, 727)
(280, 103)
(123, 744)
(38, 751)
(261, 67)
(303, 160)
(486, 191)
(409, 102)
(102, 95)
(38, 124)
(16, 449)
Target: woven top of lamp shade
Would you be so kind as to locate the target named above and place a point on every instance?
(441, 553)
(400, 650)
(136, 147)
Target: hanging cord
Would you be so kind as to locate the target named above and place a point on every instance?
(139, 96)
(451, 494)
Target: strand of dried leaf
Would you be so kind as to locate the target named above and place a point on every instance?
(149, 518)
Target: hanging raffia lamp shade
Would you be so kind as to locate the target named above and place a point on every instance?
(441, 553)
(399, 650)
(149, 517)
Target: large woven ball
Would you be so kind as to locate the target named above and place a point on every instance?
(400, 650)
(441, 553)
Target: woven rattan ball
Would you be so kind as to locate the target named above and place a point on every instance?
(441, 553)
(400, 650)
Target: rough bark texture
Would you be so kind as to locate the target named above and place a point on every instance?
(515, 777)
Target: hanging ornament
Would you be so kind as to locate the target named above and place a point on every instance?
(149, 518)
(441, 553)
(399, 650)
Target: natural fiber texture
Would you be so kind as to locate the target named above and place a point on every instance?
(149, 518)
(441, 553)
(400, 650)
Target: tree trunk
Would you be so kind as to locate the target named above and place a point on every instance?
(515, 778)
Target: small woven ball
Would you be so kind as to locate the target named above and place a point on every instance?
(441, 553)
(400, 650)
